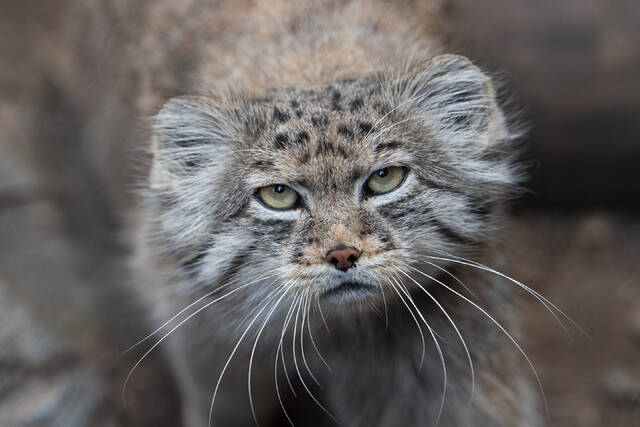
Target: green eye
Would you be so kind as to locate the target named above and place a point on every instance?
(278, 196)
(385, 180)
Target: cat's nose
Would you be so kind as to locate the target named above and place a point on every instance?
(343, 257)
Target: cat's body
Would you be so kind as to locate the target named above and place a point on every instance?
(318, 97)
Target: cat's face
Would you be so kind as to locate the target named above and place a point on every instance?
(334, 191)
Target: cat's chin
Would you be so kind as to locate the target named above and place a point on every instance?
(350, 291)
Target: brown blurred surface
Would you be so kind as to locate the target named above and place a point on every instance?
(587, 265)
(575, 67)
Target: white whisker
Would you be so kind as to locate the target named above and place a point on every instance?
(464, 344)
(544, 301)
(304, 358)
(283, 290)
(324, 320)
(386, 311)
(219, 288)
(416, 322)
(285, 326)
(233, 352)
(439, 350)
(275, 369)
(313, 341)
(295, 363)
(515, 343)
(126, 381)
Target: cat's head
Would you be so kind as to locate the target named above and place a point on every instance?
(334, 191)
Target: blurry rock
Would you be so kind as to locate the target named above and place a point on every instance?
(595, 231)
(622, 387)
(42, 379)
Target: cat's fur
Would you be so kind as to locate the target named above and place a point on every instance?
(318, 96)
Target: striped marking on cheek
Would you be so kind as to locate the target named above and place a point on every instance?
(191, 266)
(452, 235)
(234, 266)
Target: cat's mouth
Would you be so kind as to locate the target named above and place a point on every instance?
(349, 288)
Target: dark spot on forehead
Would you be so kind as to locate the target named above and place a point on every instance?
(355, 105)
(325, 147)
(328, 147)
(385, 146)
(299, 113)
(302, 137)
(320, 120)
(341, 151)
(294, 103)
(365, 127)
(345, 131)
(281, 116)
(281, 140)
(335, 100)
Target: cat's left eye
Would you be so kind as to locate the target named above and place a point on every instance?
(278, 196)
(386, 179)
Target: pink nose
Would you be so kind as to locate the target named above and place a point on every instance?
(342, 257)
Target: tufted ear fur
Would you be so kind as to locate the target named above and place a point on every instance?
(188, 132)
(456, 100)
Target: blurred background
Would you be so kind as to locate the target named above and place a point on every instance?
(66, 137)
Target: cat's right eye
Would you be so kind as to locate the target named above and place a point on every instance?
(278, 197)
(385, 180)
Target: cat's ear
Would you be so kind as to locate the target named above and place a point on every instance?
(455, 99)
(187, 133)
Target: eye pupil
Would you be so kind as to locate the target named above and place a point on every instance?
(278, 188)
(383, 172)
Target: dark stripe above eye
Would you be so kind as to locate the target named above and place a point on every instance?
(386, 146)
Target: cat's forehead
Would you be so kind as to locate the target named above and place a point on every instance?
(321, 133)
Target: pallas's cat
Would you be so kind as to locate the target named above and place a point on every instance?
(317, 210)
